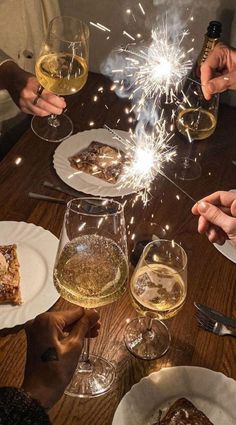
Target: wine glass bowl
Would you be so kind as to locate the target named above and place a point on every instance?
(158, 289)
(91, 270)
(196, 120)
(61, 68)
(196, 116)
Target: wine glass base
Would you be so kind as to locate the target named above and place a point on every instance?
(144, 344)
(187, 169)
(51, 133)
(92, 379)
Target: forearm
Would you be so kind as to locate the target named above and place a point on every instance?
(8, 72)
(16, 406)
(45, 395)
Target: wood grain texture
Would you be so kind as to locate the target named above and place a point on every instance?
(211, 277)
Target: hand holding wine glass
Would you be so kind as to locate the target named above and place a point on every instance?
(91, 270)
(62, 69)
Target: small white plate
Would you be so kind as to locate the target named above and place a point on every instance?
(36, 250)
(212, 392)
(228, 249)
(81, 181)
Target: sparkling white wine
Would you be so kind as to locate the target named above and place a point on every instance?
(62, 73)
(157, 291)
(91, 271)
(198, 122)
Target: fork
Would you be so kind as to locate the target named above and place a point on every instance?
(212, 326)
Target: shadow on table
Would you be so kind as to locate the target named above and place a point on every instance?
(12, 135)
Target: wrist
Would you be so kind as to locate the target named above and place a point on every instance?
(40, 393)
(8, 69)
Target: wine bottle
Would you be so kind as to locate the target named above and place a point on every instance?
(212, 37)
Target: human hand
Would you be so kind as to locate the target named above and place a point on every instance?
(222, 60)
(217, 216)
(23, 88)
(54, 344)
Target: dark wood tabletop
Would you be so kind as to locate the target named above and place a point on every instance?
(211, 276)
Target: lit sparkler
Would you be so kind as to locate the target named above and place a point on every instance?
(158, 69)
(146, 155)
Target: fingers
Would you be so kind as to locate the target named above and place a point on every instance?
(203, 225)
(216, 235)
(219, 84)
(217, 217)
(233, 208)
(219, 60)
(68, 317)
(88, 323)
(46, 105)
(222, 199)
(43, 104)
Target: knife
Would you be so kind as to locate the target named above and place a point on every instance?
(46, 198)
(215, 315)
(75, 193)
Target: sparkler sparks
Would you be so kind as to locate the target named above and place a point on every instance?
(151, 75)
(147, 153)
(160, 68)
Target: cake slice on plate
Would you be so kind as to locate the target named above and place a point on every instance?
(9, 275)
(99, 160)
(183, 412)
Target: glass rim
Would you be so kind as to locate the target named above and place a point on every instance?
(119, 211)
(170, 242)
(74, 18)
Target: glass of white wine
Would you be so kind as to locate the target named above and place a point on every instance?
(158, 289)
(91, 270)
(61, 68)
(196, 120)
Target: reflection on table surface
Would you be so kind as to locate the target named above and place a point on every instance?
(211, 276)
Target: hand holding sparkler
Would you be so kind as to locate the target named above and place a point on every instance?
(217, 216)
(222, 59)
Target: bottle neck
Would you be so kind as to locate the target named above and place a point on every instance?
(208, 46)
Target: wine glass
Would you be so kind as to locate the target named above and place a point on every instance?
(91, 270)
(196, 120)
(61, 68)
(158, 290)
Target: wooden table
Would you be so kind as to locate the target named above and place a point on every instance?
(211, 276)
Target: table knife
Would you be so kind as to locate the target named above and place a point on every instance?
(215, 315)
(73, 194)
(46, 198)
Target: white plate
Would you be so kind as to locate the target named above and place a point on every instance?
(82, 181)
(211, 392)
(228, 249)
(36, 250)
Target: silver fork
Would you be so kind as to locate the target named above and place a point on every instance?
(212, 326)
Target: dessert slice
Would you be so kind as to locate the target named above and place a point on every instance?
(99, 160)
(183, 412)
(9, 275)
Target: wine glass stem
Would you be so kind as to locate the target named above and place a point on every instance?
(149, 325)
(86, 351)
(53, 121)
(186, 162)
(148, 334)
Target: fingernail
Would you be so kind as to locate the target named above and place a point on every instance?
(202, 207)
(211, 87)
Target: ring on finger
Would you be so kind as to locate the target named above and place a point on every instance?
(39, 92)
